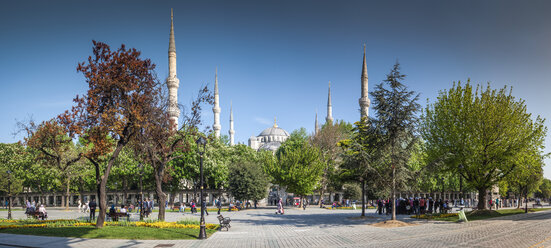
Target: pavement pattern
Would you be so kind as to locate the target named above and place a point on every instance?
(315, 227)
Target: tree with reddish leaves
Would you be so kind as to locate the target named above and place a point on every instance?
(122, 95)
(55, 147)
(160, 142)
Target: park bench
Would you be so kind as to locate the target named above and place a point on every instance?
(224, 222)
(36, 215)
(116, 216)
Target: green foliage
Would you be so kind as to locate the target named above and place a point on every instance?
(14, 158)
(544, 189)
(484, 135)
(352, 191)
(296, 164)
(248, 181)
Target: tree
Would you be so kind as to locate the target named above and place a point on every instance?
(159, 142)
(544, 190)
(352, 191)
(480, 134)
(56, 147)
(326, 140)
(297, 164)
(395, 111)
(14, 158)
(248, 181)
(122, 94)
(361, 156)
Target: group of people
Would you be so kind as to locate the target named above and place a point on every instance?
(31, 209)
(417, 205)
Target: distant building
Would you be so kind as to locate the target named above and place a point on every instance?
(269, 139)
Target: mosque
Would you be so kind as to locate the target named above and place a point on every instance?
(269, 139)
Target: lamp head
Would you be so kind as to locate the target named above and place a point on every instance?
(201, 142)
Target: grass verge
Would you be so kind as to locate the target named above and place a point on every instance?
(479, 215)
(111, 232)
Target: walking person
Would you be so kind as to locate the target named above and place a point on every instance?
(92, 205)
(204, 206)
(280, 207)
(219, 206)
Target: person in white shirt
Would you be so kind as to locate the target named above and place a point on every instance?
(42, 211)
(123, 209)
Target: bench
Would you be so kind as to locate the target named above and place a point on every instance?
(115, 216)
(537, 205)
(224, 222)
(36, 215)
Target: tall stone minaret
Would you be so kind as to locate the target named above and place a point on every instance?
(216, 108)
(231, 125)
(317, 127)
(329, 118)
(364, 100)
(172, 81)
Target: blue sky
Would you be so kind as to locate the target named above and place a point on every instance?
(275, 58)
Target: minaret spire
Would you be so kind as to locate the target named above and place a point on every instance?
(231, 125)
(216, 108)
(329, 118)
(172, 81)
(364, 100)
(317, 127)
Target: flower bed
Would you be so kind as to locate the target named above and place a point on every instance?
(76, 223)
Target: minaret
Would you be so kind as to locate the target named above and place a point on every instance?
(329, 118)
(216, 108)
(364, 100)
(317, 127)
(172, 81)
(231, 125)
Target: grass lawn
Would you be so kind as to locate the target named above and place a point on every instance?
(481, 215)
(111, 232)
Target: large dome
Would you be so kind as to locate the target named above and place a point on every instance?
(274, 131)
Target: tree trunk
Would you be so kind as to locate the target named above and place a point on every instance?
(393, 192)
(526, 200)
(160, 194)
(172, 197)
(321, 197)
(363, 197)
(101, 202)
(101, 182)
(124, 191)
(481, 198)
(67, 194)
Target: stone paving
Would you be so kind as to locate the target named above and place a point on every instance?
(325, 228)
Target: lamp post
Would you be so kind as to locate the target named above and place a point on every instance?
(141, 191)
(201, 147)
(9, 194)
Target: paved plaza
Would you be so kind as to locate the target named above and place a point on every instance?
(325, 228)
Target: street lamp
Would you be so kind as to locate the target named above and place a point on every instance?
(141, 191)
(9, 194)
(201, 147)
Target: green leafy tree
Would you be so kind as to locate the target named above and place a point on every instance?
(480, 134)
(326, 140)
(297, 165)
(361, 157)
(248, 181)
(544, 190)
(395, 111)
(13, 158)
(352, 191)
